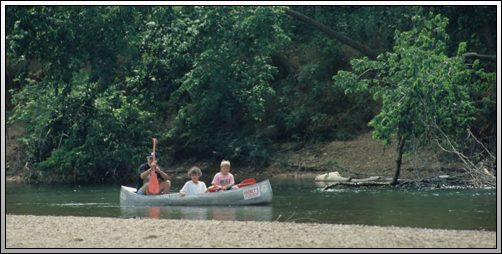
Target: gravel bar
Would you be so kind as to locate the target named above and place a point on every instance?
(27, 231)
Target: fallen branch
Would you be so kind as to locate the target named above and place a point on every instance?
(433, 182)
(356, 184)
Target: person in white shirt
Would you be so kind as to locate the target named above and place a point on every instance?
(194, 186)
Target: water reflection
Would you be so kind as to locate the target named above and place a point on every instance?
(223, 214)
(226, 213)
(320, 184)
(154, 212)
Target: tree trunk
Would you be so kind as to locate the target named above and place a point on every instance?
(399, 158)
(367, 52)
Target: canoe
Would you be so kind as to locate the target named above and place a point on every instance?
(256, 194)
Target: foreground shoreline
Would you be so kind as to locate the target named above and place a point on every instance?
(28, 231)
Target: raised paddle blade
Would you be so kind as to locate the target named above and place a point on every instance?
(153, 186)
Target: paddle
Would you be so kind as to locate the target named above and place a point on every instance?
(153, 187)
(247, 182)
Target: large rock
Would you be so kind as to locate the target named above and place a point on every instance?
(332, 177)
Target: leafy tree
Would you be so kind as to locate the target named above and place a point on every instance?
(426, 96)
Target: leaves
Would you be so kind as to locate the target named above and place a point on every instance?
(231, 70)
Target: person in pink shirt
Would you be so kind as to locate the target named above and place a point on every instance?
(224, 180)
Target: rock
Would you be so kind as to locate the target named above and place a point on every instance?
(332, 176)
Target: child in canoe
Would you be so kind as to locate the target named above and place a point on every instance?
(224, 180)
(194, 186)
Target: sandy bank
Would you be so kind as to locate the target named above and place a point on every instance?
(95, 232)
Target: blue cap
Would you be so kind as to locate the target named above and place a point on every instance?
(150, 155)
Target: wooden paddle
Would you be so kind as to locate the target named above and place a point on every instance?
(153, 186)
(247, 182)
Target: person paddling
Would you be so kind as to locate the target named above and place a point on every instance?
(144, 172)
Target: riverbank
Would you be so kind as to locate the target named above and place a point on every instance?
(27, 231)
(362, 157)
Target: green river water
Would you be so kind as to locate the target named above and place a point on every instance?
(297, 201)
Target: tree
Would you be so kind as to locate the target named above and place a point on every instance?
(310, 108)
(111, 77)
(222, 96)
(426, 96)
(81, 121)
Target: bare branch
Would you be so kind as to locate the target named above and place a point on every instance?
(470, 134)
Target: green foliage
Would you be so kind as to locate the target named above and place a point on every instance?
(80, 137)
(111, 78)
(96, 83)
(226, 88)
(424, 93)
(81, 121)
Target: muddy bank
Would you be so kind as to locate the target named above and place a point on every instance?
(359, 158)
(95, 232)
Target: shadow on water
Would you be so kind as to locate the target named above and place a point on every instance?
(294, 201)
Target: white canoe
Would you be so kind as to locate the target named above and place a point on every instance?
(256, 194)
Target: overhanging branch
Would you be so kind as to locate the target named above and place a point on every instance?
(367, 52)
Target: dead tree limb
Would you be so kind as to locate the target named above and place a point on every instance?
(366, 51)
(358, 184)
(472, 55)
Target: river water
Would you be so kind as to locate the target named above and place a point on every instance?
(297, 201)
